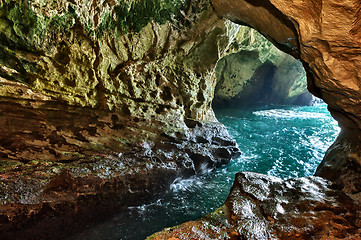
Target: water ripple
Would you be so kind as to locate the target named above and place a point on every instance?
(282, 113)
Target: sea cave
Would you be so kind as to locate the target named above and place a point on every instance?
(178, 119)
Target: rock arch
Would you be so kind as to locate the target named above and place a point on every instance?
(323, 35)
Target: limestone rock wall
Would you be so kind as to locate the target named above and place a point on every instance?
(60, 57)
(103, 103)
(258, 73)
(108, 101)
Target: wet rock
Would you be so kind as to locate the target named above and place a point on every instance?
(265, 207)
(40, 195)
(341, 166)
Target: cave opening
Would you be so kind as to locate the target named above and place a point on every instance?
(100, 114)
(261, 97)
(282, 130)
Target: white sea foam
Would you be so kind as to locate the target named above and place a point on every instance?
(282, 113)
(143, 208)
(188, 184)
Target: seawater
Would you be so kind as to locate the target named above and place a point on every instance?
(280, 141)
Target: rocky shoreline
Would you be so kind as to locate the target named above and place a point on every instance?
(266, 207)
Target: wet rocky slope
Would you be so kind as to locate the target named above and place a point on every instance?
(265, 207)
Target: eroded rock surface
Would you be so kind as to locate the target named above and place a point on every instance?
(264, 207)
(42, 198)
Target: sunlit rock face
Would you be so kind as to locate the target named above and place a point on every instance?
(59, 58)
(325, 35)
(104, 103)
(258, 73)
(264, 207)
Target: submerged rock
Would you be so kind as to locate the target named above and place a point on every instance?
(265, 207)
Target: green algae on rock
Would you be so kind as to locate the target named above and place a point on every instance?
(151, 73)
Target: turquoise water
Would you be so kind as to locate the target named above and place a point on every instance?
(280, 141)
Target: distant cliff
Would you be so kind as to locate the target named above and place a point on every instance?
(257, 73)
